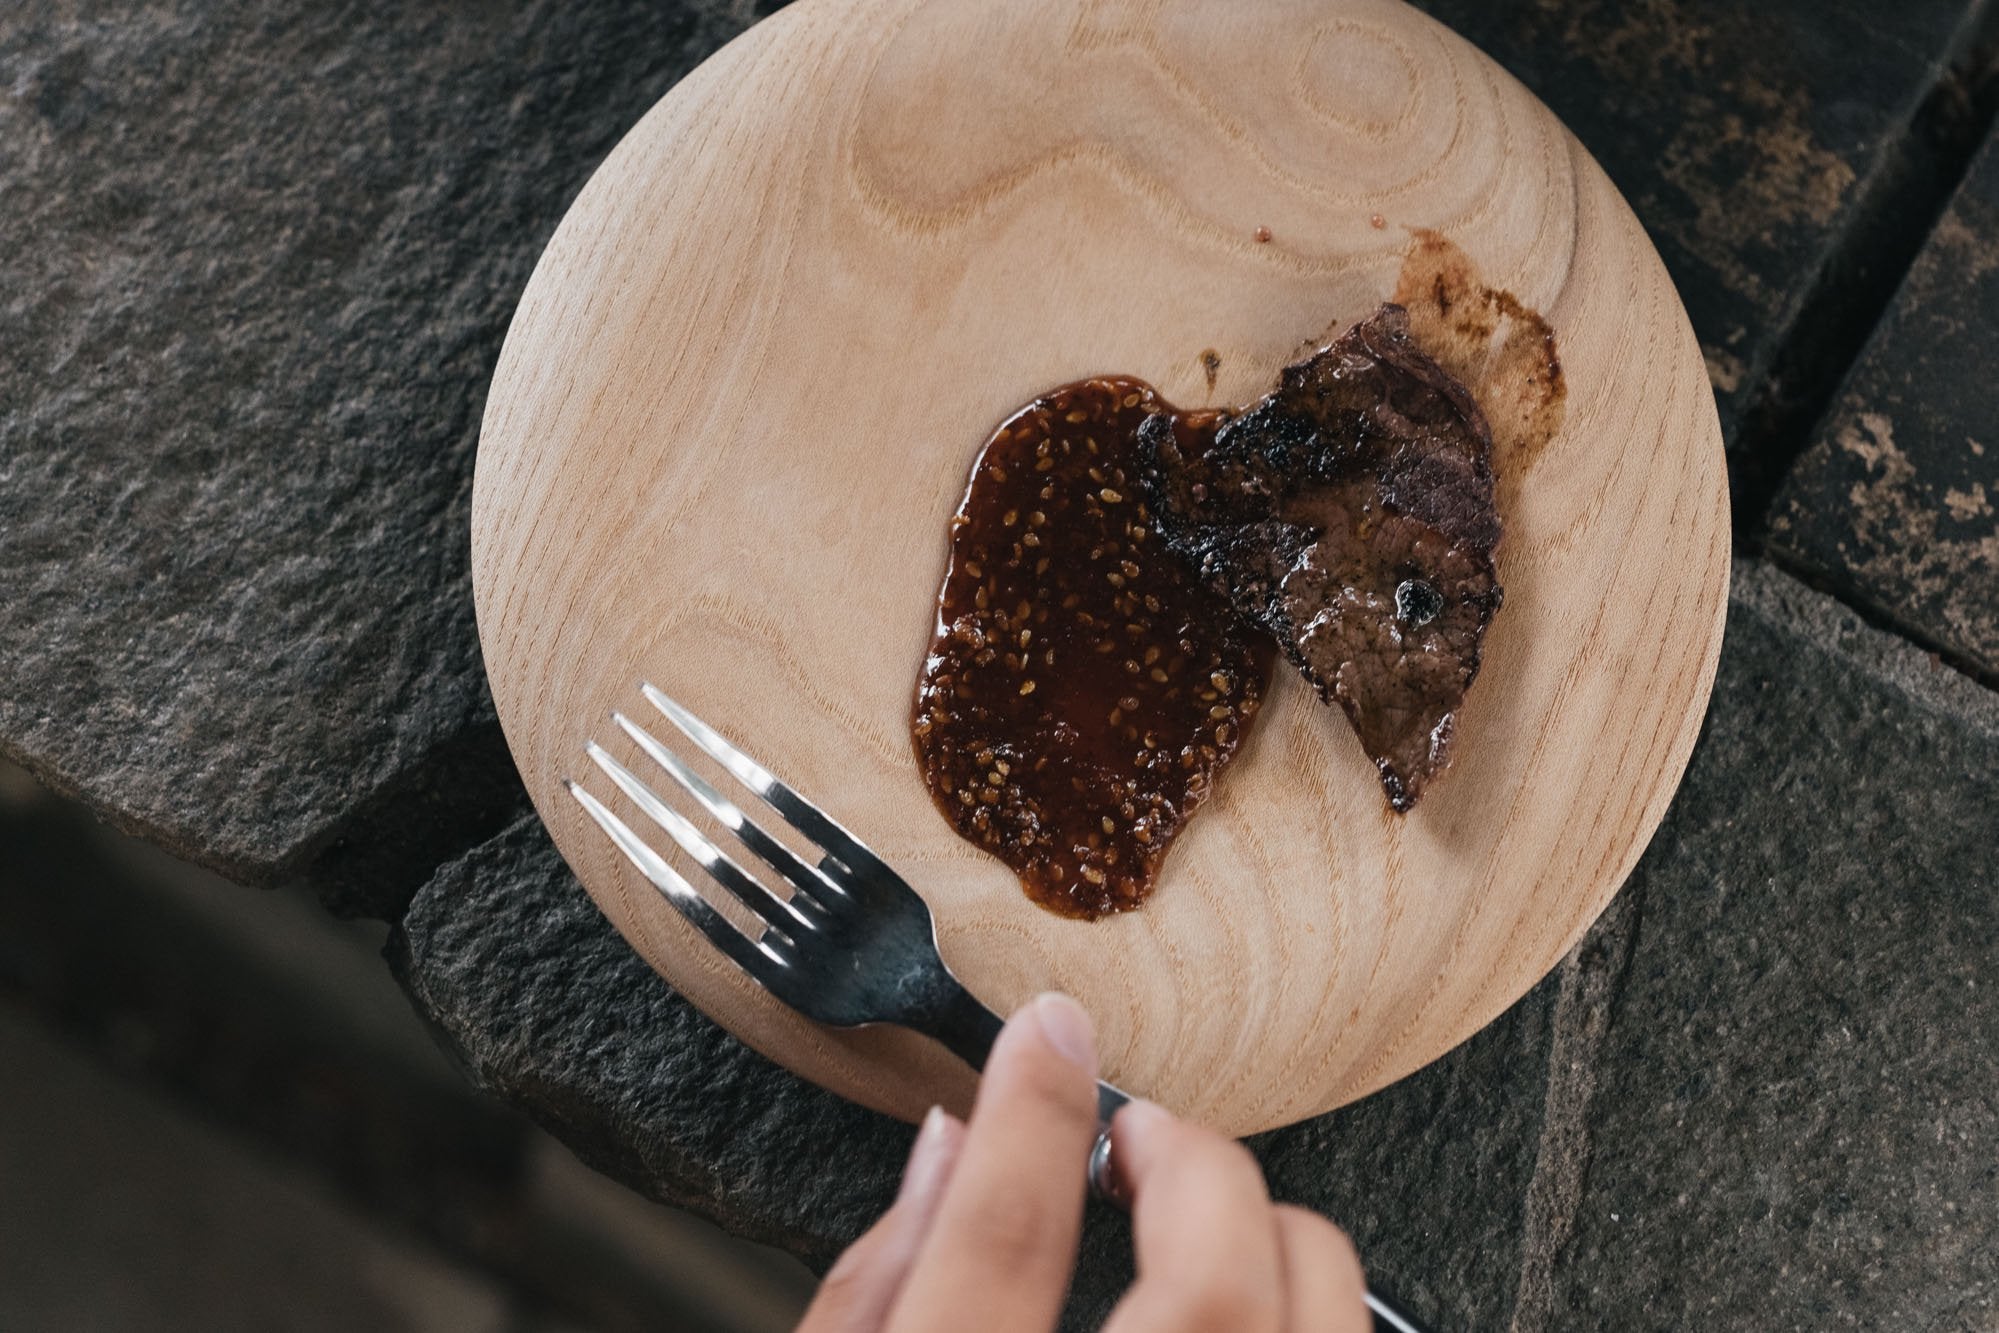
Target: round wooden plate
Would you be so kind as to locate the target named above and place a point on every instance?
(744, 389)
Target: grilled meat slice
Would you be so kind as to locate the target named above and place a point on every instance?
(1351, 514)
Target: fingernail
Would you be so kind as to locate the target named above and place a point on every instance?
(1068, 1029)
(927, 1157)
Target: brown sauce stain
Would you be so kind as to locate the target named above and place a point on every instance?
(1492, 343)
(1084, 689)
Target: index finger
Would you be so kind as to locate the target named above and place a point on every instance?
(1000, 1252)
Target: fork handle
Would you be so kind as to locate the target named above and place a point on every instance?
(956, 1018)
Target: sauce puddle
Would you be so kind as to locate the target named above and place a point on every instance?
(1083, 690)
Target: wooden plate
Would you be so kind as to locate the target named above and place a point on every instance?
(744, 388)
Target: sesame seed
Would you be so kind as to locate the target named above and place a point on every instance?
(1110, 497)
(1027, 687)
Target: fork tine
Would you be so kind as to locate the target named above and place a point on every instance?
(808, 879)
(800, 813)
(787, 920)
(752, 956)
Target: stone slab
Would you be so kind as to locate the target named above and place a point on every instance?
(1795, 1120)
(260, 260)
(1896, 506)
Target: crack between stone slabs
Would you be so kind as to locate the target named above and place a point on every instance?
(460, 794)
(1591, 977)
(1857, 281)
(1850, 598)
(469, 783)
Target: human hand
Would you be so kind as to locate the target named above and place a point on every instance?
(983, 1233)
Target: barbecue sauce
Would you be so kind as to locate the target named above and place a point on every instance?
(1084, 689)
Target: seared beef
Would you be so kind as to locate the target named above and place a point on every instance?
(1351, 515)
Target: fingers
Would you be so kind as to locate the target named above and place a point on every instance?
(999, 1255)
(1323, 1282)
(859, 1289)
(1206, 1236)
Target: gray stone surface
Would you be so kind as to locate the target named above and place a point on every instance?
(547, 1007)
(1896, 507)
(259, 262)
(1795, 1122)
(1759, 1095)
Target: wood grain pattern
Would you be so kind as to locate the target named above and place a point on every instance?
(743, 390)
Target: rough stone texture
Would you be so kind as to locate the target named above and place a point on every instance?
(1755, 142)
(1759, 1094)
(1896, 507)
(1796, 1115)
(549, 1009)
(260, 260)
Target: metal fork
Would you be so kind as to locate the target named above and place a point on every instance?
(852, 945)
